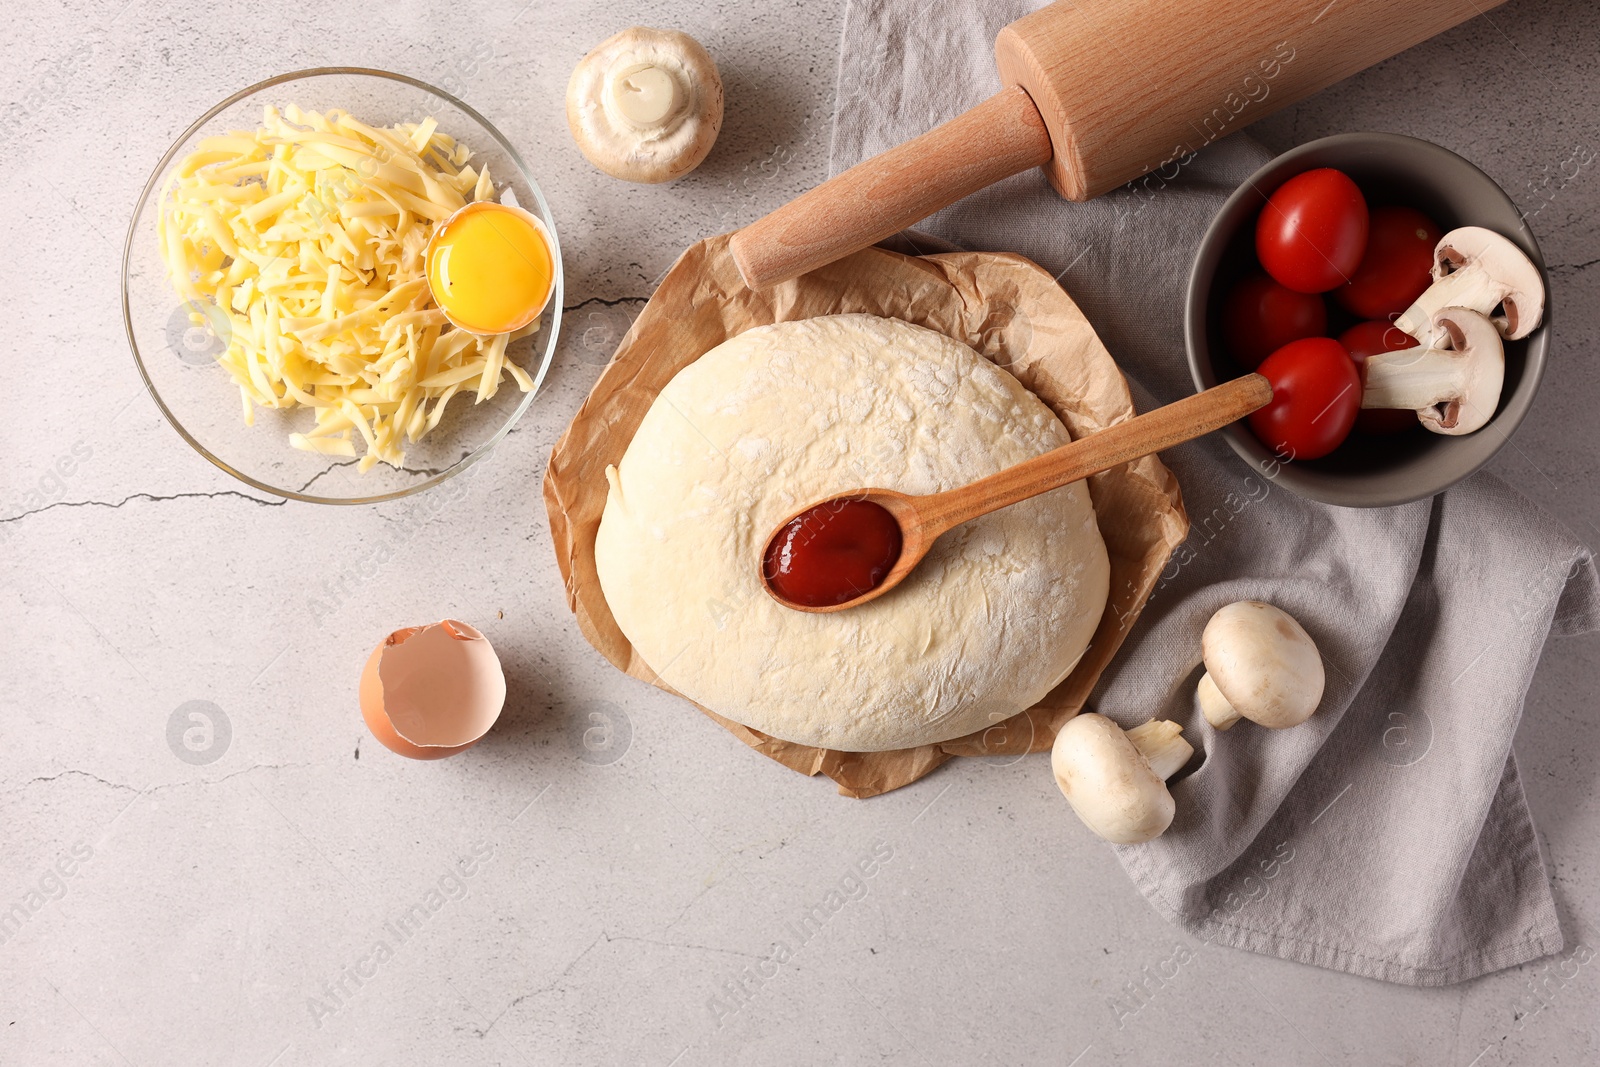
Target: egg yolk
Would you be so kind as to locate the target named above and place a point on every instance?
(490, 269)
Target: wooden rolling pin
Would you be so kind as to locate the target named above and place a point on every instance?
(1098, 92)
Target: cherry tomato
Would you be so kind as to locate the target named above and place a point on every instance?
(1260, 316)
(1316, 392)
(1394, 270)
(1313, 230)
(1368, 339)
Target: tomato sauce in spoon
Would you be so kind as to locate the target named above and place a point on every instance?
(832, 553)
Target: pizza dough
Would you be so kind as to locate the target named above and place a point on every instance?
(789, 414)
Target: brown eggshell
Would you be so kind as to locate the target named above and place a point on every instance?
(431, 691)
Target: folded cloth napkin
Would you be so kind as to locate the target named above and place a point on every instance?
(1389, 835)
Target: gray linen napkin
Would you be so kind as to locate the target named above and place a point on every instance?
(1389, 835)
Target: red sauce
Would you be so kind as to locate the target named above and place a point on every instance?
(832, 553)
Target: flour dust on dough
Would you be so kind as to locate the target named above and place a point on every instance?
(785, 415)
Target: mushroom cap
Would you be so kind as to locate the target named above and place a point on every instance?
(1513, 271)
(645, 105)
(1475, 337)
(1108, 783)
(1264, 663)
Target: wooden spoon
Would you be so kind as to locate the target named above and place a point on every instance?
(923, 519)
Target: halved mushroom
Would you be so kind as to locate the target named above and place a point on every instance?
(1479, 269)
(1454, 385)
(645, 105)
(1115, 779)
(1260, 665)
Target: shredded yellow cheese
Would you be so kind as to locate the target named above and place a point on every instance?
(308, 236)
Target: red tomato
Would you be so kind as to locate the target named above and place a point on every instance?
(1313, 230)
(1260, 316)
(1394, 270)
(1316, 392)
(1368, 339)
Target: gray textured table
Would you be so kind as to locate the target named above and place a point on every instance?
(229, 912)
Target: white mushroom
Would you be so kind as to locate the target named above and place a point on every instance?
(645, 105)
(1261, 665)
(1115, 779)
(1479, 269)
(1453, 385)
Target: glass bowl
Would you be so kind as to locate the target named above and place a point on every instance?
(177, 358)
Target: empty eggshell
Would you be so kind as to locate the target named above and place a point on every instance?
(431, 691)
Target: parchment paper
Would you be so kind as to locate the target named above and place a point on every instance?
(1005, 307)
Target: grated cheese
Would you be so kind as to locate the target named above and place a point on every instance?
(308, 236)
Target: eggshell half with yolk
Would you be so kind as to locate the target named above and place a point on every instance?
(431, 691)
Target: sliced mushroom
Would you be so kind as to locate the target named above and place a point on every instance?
(1479, 269)
(1115, 779)
(1453, 386)
(645, 105)
(1260, 665)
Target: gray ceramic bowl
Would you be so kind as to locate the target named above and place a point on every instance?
(1390, 169)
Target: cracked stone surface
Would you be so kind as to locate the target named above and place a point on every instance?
(206, 861)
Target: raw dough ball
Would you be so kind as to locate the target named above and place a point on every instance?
(784, 415)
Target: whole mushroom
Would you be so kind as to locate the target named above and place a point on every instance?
(1115, 779)
(645, 105)
(1479, 269)
(1260, 665)
(1452, 384)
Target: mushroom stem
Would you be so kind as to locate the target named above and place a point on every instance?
(1422, 378)
(1161, 743)
(1214, 706)
(1454, 388)
(1467, 288)
(645, 96)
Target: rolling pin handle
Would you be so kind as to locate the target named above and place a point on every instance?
(883, 195)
